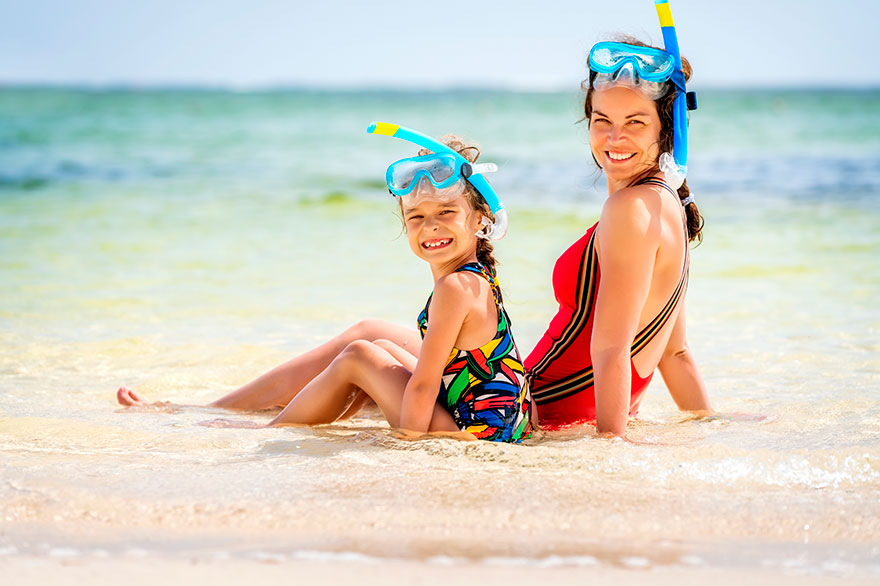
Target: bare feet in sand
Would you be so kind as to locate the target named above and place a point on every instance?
(128, 398)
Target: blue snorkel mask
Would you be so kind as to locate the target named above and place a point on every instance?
(443, 169)
(648, 70)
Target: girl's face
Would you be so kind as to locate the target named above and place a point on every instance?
(624, 134)
(442, 230)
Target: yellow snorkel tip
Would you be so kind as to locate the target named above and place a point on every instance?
(664, 12)
(382, 128)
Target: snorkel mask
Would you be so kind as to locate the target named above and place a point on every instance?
(445, 169)
(648, 70)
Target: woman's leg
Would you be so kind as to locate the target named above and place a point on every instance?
(362, 367)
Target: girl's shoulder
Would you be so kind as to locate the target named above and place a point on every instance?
(464, 282)
(466, 285)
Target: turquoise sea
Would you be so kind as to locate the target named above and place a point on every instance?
(182, 241)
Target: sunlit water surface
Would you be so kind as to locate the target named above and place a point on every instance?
(184, 242)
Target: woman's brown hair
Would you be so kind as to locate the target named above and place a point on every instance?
(667, 127)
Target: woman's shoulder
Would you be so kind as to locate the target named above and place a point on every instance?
(638, 195)
(634, 204)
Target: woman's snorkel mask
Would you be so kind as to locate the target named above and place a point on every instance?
(648, 70)
(440, 175)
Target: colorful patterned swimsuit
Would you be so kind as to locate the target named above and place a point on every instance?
(485, 389)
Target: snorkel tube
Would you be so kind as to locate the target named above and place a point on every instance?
(676, 168)
(494, 230)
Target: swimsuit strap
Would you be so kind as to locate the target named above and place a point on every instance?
(478, 268)
(471, 267)
(659, 183)
(644, 337)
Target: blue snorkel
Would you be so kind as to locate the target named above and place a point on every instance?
(676, 169)
(494, 230)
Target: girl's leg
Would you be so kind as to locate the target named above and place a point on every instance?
(279, 386)
(402, 355)
(362, 366)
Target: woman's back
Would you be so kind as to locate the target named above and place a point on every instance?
(560, 366)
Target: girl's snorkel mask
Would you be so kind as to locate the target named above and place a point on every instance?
(647, 69)
(445, 170)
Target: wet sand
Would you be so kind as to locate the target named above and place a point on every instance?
(26, 571)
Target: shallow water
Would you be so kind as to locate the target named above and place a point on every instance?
(184, 242)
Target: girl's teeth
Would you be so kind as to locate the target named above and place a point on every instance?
(619, 156)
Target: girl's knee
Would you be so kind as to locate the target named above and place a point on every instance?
(366, 329)
(385, 344)
(357, 351)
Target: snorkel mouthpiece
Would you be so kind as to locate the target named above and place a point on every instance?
(472, 173)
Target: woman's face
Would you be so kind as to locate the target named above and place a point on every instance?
(624, 134)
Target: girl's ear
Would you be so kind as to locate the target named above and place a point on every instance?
(484, 227)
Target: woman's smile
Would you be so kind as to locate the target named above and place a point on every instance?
(616, 156)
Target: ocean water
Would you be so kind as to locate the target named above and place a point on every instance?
(184, 241)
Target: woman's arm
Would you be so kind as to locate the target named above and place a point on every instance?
(450, 305)
(680, 372)
(628, 238)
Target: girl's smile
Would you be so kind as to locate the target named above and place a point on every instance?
(436, 243)
(442, 231)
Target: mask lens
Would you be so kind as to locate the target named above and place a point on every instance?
(605, 58)
(649, 63)
(403, 175)
(654, 67)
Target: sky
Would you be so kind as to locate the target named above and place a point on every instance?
(514, 44)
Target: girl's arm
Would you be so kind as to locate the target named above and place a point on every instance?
(680, 372)
(628, 238)
(450, 305)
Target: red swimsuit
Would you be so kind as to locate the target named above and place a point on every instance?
(560, 369)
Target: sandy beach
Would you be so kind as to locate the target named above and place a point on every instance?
(369, 572)
(184, 242)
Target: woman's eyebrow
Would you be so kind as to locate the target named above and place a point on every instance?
(598, 113)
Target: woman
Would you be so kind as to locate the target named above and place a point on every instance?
(621, 286)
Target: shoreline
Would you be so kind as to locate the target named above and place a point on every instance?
(44, 552)
(146, 571)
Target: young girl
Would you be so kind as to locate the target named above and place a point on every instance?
(466, 375)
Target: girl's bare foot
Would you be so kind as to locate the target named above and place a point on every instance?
(128, 398)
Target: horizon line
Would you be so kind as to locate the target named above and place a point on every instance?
(390, 88)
